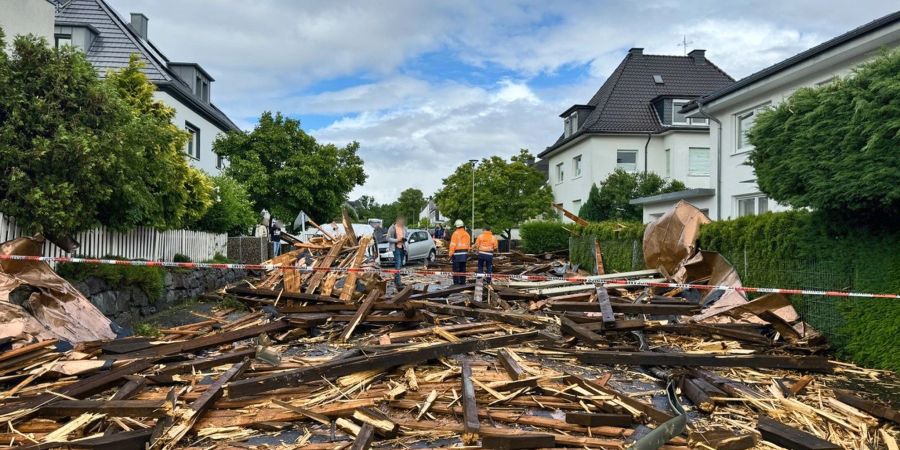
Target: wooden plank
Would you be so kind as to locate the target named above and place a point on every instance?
(510, 365)
(273, 294)
(206, 363)
(570, 216)
(790, 437)
(323, 263)
(697, 396)
(598, 257)
(471, 425)
(364, 437)
(360, 314)
(584, 335)
(332, 369)
(485, 314)
(204, 342)
(443, 293)
(112, 408)
(813, 363)
(599, 419)
(383, 424)
(605, 308)
(648, 410)
(628, 308)
(876, 409)
(350, 281)
(518, 441)
(348, 228)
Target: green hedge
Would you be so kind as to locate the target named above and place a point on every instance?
(797, 249)
(544, 236)
(150, 280)
(621, 243)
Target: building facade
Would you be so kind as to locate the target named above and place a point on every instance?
(21, 17)
(634, 122)
(733, 110)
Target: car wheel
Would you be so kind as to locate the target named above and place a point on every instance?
(432, 255)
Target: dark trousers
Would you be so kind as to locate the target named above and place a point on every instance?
(459, 266)
(399, 255)
(486, 262)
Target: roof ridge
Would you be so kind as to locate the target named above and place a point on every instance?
(120, 23)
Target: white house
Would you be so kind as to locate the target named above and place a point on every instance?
(21, 17)
(108, 42)
(432, 213)
(733, 111)
(634, 122)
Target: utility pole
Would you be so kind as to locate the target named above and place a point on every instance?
(472, 223)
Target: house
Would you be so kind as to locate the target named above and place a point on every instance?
(634, 122)
(733, 110)
(21, 17)
(109, 41)
(431, 212)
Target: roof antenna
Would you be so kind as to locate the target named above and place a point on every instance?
(684, 43)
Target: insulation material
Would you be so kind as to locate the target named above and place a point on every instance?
(671, 240)
(55, 309)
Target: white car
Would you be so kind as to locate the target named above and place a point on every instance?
(419, 246)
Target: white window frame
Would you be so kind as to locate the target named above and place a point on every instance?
(759, 199)
(560, 173)
(691, 173)
(675, 108)
(625, 150)
(61, 39)
(739, 133)
(699, 121)
(193, 146)
(576, 166)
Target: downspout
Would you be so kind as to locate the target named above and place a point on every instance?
(701, 107)
(646, 156)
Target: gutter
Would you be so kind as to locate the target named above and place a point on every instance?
(646, 156)
(703, 110)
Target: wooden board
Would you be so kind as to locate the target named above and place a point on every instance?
(790, 437)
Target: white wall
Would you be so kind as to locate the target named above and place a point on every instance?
(654, 210)
(20, 17)
(598, 160)
(208, 132)
(739, 179)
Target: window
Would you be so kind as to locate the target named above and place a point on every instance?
(678, 118)
(626, 160)
(668, 163)
(193, 145)
(571, 124)
(752, 205)
(576, 206)
(745, 121)
(576, 163)
(699, 121)
(198, 87)
(205, 94)
(62, 39)
(559, 173)
(698, 162)
(220, 162)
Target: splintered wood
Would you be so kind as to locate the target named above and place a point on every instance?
(336, 358)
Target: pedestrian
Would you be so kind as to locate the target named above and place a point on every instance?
(396, 237)
(486, 244)
(460, 242)
(439, 232)
(275, 238)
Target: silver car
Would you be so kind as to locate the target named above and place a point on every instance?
(419, 246)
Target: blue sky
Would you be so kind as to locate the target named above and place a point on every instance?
(426, 85)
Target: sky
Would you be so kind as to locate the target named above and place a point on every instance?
(424, 86)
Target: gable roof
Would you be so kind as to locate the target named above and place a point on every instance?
(624, 103)
(116, 41)
(813, 52)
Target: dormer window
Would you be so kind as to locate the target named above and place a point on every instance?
(677, 117)
(571, 124)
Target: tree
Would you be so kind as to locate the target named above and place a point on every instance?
(834, 148)
(611, 200)
(507, 193)
(286, 171)
(410, 204)
(231, 211)
(77, 151)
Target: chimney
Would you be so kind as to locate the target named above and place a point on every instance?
(636, 51)
(139, 24)
(699, 56)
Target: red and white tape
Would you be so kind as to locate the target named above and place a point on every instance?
(427, 272)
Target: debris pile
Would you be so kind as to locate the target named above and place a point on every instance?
(338, 359)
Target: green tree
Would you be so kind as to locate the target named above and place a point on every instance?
(410, 204)
(285, 170)
(834, 148)
(611, 200)
(507, 193)
(231, 211)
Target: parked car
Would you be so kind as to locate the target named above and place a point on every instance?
(419, 246)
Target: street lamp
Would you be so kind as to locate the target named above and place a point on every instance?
(472, 223)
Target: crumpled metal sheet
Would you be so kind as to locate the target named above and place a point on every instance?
(671, 240)
(721, 273)
(55, 310)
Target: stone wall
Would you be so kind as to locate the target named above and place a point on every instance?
(128, 304)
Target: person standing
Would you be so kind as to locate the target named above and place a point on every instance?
(275, 238)
(486, 244)
(396, 237)
(460, 243)
(439, 232)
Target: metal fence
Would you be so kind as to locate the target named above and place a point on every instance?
(139, 243)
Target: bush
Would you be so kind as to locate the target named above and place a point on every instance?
(798, 249)
(231, 211)
(544, 236)
(611, 200)
(179, 258)
(147, 329)
(218, 258)
(621, 244)
(150, 280)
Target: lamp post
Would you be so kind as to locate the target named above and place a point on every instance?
(472, 223)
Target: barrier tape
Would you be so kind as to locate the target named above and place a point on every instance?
(427, 272)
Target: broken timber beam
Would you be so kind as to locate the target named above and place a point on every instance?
(790, 437)
(812, 363)
(646, 409)
(510, 365)
(605, 308)
(627, 308)
(364, 437)
(484, 314)
(212, 340)
(878, 410)
(350, 281)
(584, 335)
(333, 369)
(471, 425)
(323, 264)
(360, 314)
(518, 441)
(112, 408)
(599, 419)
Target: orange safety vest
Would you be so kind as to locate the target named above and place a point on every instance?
(486, 242)
(460, 241)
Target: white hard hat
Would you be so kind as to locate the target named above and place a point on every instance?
(459, 223)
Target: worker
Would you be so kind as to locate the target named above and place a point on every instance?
(396, 237)
(460, 243)
(486, 244)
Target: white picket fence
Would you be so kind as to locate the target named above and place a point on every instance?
(139, 243)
